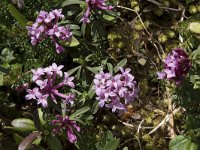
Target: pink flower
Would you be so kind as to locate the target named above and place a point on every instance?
(47, 25)
(68, 80)
(115, 91)
(42, 99)
(45, 78)
(37, 73)
(31, 93)
(69, 125)
(57, 69)
(99, 4)
(176, 66)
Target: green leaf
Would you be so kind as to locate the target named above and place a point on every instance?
(182, 142)
(94, 70)
(37, 141)
(29, 140)
(5, 51)
(122, 63)
(40, 114)
(72, 2)
(23, 125)
(84, 79)
(108, 142)
(95, 107)
(112, 145)
(54, 143)
(1, 79)
(18, 138)
(78, 74)
(110, 68)
(74, 27)
(70, 72)
(195, 27)
(91, 92)
(109, 18)
(17, 15)
(80, 112)
(72, 43)
(79, 121)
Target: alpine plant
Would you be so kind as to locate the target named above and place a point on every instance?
(48, 81)
(46, 25)
(96, 4)
(115, 92)
(67, 124)
(176, 66)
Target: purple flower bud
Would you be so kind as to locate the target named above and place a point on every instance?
(69, 125)
(176, 66)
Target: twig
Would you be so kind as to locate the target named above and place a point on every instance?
(138, 131)
(164, 121)
(154, 2)
(167, 8)
(171, 119)
(139, 127)
(157, 51)
(172, 9)
(127, 124)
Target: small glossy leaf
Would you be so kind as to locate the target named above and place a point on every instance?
(80, 112)
(5, 51)
(195, 27)
(74, 27)
(54, 143)
(94, 70)
(122, 63)
(84, 79)
(108, 142)
(73, 42)
(91, 92)
(1, 79)
(40, 114)
(78, 74)
(109, 18)
(95, 107)
(181, 142)
(70, 72)
(112, 145)
(110, 68)
(37, 141)
(72, 2)
(18, 138)
(23, 124)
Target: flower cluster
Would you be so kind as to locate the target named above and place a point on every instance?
(47, 25)
(45, 78)
(65, 122)
(99, 4)
(176, 66)
(117, 91)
